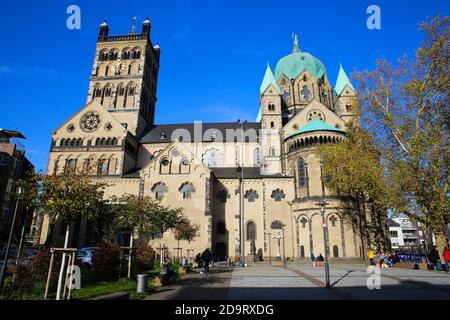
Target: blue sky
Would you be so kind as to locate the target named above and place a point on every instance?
(214, 53)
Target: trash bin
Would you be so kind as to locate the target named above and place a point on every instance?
(141, 283)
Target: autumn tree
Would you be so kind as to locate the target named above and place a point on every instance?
(185, 230)
(405, 106)
(67, 196)
(352, 169)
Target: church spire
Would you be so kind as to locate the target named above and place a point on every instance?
(295, 47)
(268, 80)
(342, 81)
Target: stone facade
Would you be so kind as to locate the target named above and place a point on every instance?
(266, 169)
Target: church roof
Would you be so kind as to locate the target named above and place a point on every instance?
(249, 173)
(342, 81)
(295, 63)
(165, 132)
(258, 117)
(268, 80)
(315, 125)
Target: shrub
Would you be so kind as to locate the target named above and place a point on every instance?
(145, 257)
(107, 262)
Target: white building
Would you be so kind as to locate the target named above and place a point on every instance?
(405, 232)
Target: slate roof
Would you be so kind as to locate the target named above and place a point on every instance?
(163, 133)
(249, 173)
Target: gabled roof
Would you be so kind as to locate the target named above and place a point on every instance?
(164, 133)
(268, 80)
(342, 81)
(315, 125)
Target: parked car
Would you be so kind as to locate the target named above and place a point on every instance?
(84, 256)
(26, 254)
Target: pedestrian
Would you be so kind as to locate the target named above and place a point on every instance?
(446, 256)
(206, 258)
(320, 257)
(371, 256)
(434, 258)
(313, 259)
(198, 260)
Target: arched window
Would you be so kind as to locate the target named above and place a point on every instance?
(221, 229)
(126, 53)
(251, 195)
(333, 221)
(302, 173)
(277, 195)
(212, 157)
(273, 152)
(257, 156)
(186, 190)
(303, 221)
(272, 124)
(223, 195)
(102, 168)
(159, 189)
(71, 164)
(276, 224)
(251, 231)
(302, 251)
(335, 251)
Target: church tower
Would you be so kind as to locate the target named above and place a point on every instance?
(124, 76)
(271, 123)
(345, 96)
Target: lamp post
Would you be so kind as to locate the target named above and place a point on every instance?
(325, 240)
(270, 248)
(291, 203)
(241, 194)
(11, 231)
(284, 251)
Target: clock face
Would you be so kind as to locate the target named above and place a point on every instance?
(90, 121)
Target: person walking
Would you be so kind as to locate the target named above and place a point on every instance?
(313, 259)
(446, 256)
(206, 258)
(371, 256)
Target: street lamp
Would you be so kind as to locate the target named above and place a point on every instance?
(11, 231)
(241, 194)
(322, 204)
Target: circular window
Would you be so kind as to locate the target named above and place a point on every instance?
(175, 153)
(90, 121)
(70, 128)
(315, 114)
(108, 126)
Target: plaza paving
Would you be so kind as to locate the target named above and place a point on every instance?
(304, 282)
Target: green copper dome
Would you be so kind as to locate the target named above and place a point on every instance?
(314, 125)
(294, 64)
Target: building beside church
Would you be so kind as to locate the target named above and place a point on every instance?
(206, 167)
(14, 168)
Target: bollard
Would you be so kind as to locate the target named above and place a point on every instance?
(141, 283)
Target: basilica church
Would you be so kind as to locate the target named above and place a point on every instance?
(246, 184)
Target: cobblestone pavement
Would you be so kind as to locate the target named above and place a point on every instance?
(306, 283)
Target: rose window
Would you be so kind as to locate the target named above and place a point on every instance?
(90, 121)
(315, 114)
